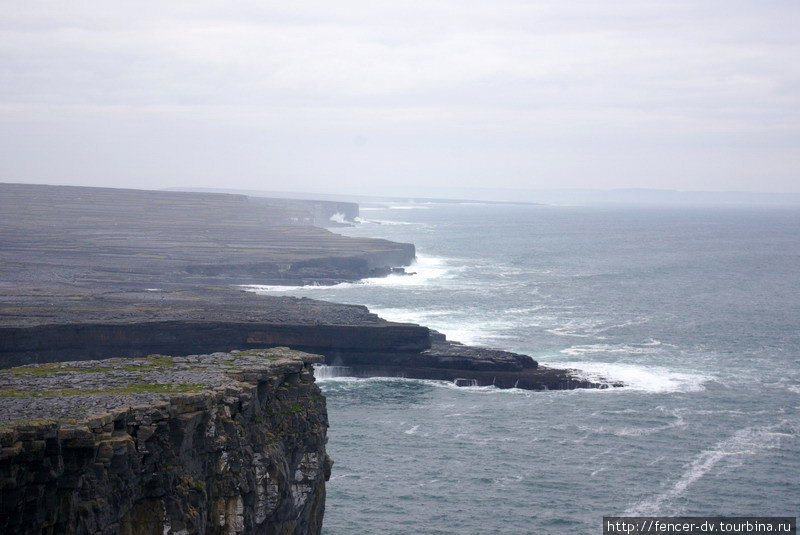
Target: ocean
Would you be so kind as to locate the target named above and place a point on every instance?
(695, 309)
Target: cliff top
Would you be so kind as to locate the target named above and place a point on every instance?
(90, 392)
(76, 255)
(68, 236)
(131, 304)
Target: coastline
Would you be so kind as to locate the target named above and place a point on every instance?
(93, 273)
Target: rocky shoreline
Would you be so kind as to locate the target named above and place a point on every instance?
(93, 273)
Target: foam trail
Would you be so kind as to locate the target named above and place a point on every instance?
(384, 222)
(746, 441)
(580, 349)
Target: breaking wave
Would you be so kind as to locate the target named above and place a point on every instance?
(651, 379)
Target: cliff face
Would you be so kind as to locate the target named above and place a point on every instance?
(52, 343)
(229, 443)
(322, 213)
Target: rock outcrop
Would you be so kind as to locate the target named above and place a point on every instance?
(228, 443)
(461, 364)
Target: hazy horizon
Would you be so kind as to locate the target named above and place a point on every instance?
(388, 98)
(573, 196)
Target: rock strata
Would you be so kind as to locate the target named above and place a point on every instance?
(227, 443)
(89, 273)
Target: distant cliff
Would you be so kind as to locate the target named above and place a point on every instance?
(74, 237)
(228, 443)
(322, 213)
(91, 273)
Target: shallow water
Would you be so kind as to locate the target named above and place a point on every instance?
(695, 309)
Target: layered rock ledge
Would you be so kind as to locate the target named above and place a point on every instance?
(89, 273)
(227, 443)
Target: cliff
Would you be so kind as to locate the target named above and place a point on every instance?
(228, 443)
(64, 236)
(136, 323)
(323, 213)
(90, 273)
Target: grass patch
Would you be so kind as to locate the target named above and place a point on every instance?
(295, 408)
(270, 353)
(54, 367)
(161, 360)
(159, 389)
(152, 362)
(133, 389)
(251, 353)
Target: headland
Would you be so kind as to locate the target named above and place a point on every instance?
(226, 443)
(94, 273)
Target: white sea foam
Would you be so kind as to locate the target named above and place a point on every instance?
(323, 372)
(383, 222)
(635, 377)
(639, 431)
(424, 270)
(591, 328)
(463, 326)
(625, 349)
(570, 330)
(349, 382)
(339, 217)
(263, 288)
(748, 441)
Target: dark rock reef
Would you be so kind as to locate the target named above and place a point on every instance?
(228, 443)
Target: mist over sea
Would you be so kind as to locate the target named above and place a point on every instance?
(696, 309)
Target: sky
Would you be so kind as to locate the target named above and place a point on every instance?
(378, 97)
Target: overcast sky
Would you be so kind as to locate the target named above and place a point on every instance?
(374, 96)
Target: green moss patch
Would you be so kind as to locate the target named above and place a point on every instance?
(132, 389)
(54, 367)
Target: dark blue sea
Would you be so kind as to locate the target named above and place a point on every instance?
(696, 310)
